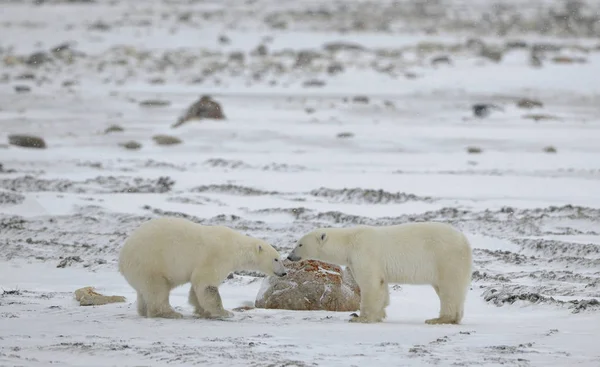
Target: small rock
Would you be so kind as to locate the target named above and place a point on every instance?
(204, 108)
(335, 68)
(87, 296)
(441, 60)
(568, 60)
(26, 76)
(540, 117)
(224, 40)
(305, 58)
(237, 56)
(242, 309)
(99, 26)
(68, 83)
(313, 83)
(154, 103)
(185, 17)
(38, 58)
(261, 50)
(166, 140)
(310, 285)
(22, 89)
(345, 135)
(491, 54)
(516, 44)
(360, 99)
(529, 103)
(61, 47)
(67, 261)
(474, 150)
(483, 109)
(156, 81)
(26, 141)
(340, 46)
(131, 145)
(113, 129)
(535, 60)
(550, 149)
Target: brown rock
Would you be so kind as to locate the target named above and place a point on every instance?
(113, 129)
(162, 139)
(345, 135)
(310, 285)
(474, 150)
(87, 296)
(540, 117)
(26, 141)
(569, 60)
(313, 83)
(154, 103)
(131, 145)
(529, 103)
(22, 89)
(204, 108)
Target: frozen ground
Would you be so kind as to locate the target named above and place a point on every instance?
(277, 167)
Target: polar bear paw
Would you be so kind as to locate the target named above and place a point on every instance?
(167, 315)
(442, 320)
(223, 314)
(359, 319)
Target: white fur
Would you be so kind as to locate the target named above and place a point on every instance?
(411, 253)
(167, 252)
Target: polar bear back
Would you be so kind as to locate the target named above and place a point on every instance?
(174, 247)
(414, 253)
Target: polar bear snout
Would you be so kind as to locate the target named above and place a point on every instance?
(279, 269)
(293, 257)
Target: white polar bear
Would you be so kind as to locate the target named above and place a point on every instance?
(164, 253)
(411, 253)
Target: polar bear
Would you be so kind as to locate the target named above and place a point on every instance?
(166, 252)
(410, 253)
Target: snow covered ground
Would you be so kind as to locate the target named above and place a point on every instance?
(375, 128)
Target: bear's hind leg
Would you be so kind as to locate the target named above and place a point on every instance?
(156, 296)
(451, 305)
(141, 305)
(193, 300)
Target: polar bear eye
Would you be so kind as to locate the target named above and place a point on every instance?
(300, 245)
(276, 259)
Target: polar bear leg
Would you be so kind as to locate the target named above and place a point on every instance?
(210, 302)
(451, 304)
(193, 300)
(141, 305)
(386, 302)
(374, 294)
(156, 296)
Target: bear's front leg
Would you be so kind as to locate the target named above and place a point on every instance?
(193, 300)
(210, 301)
(373, 300)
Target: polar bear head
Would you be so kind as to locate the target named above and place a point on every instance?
(315, 245)
(267, 259)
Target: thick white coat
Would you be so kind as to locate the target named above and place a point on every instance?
(412, 253)
(167, 252)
